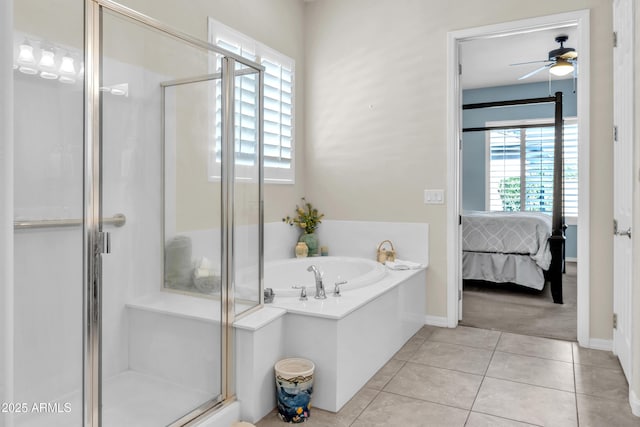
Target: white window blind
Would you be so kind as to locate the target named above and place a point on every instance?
(278, 104)
(520, 172)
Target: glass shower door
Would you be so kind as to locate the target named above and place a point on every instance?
(161, 308)
(247, 189)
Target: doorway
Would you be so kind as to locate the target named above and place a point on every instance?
(578, 23)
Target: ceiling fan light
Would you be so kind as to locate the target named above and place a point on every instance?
(561, 68)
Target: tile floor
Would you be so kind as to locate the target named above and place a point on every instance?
(477, 377)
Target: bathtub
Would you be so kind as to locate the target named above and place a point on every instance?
(283, 275)
(348, 337)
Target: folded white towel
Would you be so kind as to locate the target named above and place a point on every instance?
(399, 264)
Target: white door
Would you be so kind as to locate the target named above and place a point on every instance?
(623, 180)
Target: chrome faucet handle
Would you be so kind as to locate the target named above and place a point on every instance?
(336, 289)
(303, 292)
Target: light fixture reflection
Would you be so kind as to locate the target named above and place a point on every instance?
(26, 61)
(47, 65)
(561, 68)
(55, 62)
(67, 70)
(121, 89)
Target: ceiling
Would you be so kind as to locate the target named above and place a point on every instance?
(486, 62)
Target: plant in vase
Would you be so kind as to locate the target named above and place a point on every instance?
(308, 219)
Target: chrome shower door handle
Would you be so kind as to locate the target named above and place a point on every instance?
(104, 242)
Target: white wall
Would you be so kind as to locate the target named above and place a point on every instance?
(376, 118)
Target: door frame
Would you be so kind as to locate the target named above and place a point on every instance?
(579, 18)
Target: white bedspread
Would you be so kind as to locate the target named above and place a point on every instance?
(525, 233)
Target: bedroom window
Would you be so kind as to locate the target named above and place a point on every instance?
(520, 173)
(278, 108)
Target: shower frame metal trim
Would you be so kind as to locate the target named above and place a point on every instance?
(92, 225)
(91, 369)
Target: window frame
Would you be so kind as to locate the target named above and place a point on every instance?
(272, 175)
(568, 219)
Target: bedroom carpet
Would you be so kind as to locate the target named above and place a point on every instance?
(511, 308)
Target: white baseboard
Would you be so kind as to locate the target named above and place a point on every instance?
(635, 403)
(600, 344)
(436, 321)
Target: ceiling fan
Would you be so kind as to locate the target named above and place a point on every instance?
(561, 60)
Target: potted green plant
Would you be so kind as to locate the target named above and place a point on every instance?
(308, 219)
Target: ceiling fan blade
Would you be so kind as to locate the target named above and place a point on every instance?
(530, 62)
(533, 72)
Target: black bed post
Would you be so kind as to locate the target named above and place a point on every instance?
(557, 239)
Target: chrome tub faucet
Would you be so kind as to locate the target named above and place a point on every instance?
(320, 293)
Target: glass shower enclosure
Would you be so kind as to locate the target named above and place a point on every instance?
(138, 231)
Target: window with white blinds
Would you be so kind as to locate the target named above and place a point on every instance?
(520, 167)
(278, 105)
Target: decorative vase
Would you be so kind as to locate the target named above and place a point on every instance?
(311, 239)
(301, 250)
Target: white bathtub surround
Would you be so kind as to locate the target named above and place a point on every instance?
(361, 239)
(349, 338)
(352, 238)
(260, 344)
(286, 277)
(279, 240)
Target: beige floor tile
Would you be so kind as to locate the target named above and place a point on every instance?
(384, 375)
(601, 382)
(453, 356)
(435, 385)
(393, 410)
(320, 418)
(532, 370)
(483, 420)
(426, 331)
(535, 346)
(464, 335)
(601, 358)
(526, 403)
(596, 412)
(409, 348)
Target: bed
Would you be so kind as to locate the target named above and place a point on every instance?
(506, 247)
(525, 248)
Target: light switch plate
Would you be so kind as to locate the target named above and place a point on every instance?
(434, 197)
